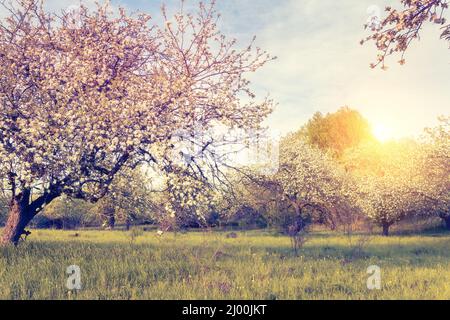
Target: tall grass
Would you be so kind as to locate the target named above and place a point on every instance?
(208, 265)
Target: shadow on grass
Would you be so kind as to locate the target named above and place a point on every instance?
(418, 247)
(432, 231)
(422, 248)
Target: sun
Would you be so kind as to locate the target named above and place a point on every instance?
(382, 133)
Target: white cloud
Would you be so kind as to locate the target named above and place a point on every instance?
(322, 66)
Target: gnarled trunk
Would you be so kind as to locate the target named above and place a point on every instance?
(18, 218)
(21, 211)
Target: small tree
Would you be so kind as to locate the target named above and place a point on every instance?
(312, 182)
(435, 171)
(387, 180)
(66, 213)
(254, 199)
(130, 199)
(189, 199)
(338, 131)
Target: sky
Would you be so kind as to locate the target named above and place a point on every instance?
(321, 66)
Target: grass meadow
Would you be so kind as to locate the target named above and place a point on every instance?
(208, 265)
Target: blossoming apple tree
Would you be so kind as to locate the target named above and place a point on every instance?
(387, 180)
(81, 101)
(311, 180)
(435, 189)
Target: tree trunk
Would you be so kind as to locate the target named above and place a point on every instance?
(21, 212)
(18, 219)
(111, 222)
(109, 214)
(386, 229)
(447, 222)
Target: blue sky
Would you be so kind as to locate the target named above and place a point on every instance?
(321, 66)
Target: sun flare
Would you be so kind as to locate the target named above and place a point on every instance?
(382, 133)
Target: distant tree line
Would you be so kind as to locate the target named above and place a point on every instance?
(332, 171)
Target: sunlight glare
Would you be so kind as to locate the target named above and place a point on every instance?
(382, 133)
